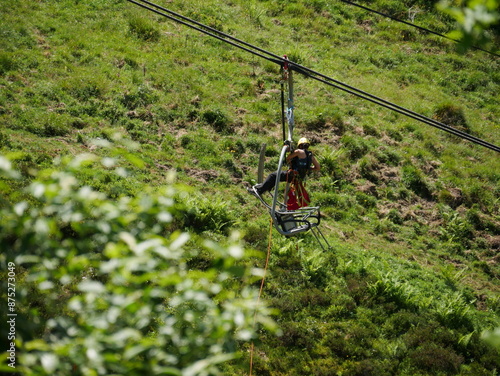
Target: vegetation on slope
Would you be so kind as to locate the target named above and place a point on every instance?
(413, 214)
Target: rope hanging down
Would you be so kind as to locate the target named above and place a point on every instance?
(307, 71)
(269, 243)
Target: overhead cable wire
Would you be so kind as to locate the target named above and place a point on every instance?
(207, 30)
(414, 25)
(306, 71)
(420, 118)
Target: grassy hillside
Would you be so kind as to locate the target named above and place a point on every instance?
(412, 213)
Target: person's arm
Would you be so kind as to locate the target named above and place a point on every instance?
(290, 156)
(315, 164)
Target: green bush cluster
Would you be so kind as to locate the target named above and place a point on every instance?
(415, 180)
(107, 288)
(144, 29)
(452, 115)
(358, 320)
(199, 214)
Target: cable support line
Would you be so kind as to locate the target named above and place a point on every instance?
(222, 37)
(416, 26)
(414, 115)
(425, 120)
(282, 61)
(210, 31)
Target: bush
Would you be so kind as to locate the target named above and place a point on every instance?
(395, 217)
(7, 63)
(144, 29)
(368, 168)
(218, 120)
(454, 312)
(455, 228)
(48, 124)
(4, 140)
(317, 5)
(298, 335)
(355, 146)
(394, 8)
(434, 358)
(414, 180)
(141, 97)
(402, 321)
(368, 367)
(109, 288)
(452, 115)
(452, 198)
(200, 214)
(326, 122)
(84, 89)
(367, 201)
(331, 163)
(391, 289)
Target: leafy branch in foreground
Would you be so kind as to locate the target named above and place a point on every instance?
(109, 288)
(474, 18)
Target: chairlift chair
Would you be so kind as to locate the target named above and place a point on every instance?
(307, 218)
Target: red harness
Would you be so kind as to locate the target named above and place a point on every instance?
(297, 194)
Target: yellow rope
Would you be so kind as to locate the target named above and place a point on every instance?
(261, 288)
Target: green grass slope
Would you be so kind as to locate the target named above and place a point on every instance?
(412, 213)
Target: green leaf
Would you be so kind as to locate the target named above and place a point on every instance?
(133, 352)
(50, 362)
(91, 286)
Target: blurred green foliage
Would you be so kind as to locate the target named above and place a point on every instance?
(107, 289)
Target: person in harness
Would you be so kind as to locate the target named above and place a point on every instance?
(301, 162)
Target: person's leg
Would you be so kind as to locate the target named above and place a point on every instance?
(270, 182)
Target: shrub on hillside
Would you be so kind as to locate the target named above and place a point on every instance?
(144, 29)
(321, 122)
(4, 140)
(142, 96)
(451, 197)
(414, 179)
(369, 168)
(47, 124)
(317, 5)
(7, 63)
(452, 115)
(331, 163)
(355, 146)
(104, 288)
(390, 288)
(199, 213)
(218, 120)
(455, 228)
(368, 367)
(433, 358)
(455, 312)
(396, 9)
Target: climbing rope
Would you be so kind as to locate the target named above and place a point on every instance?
(261, 289)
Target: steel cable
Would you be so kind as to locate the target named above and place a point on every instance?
(307, 71)
(413, 25)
